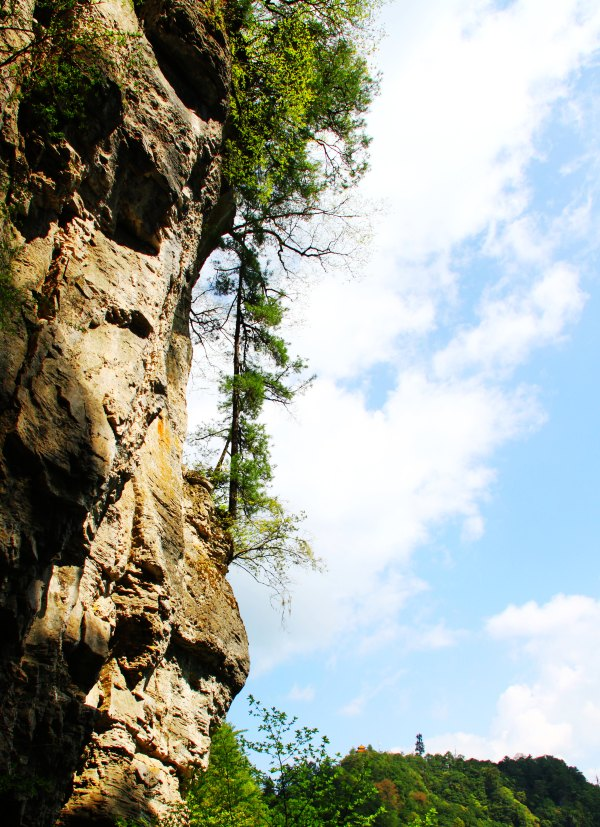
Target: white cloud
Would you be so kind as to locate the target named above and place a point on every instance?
(473, 528)
(375, 484)
(302, 693)
(351, 325)
(513, 326)
(562, 616)
(354, 707)
(435, 637)
(368, 693)
(464, 94)
(555, 710)
(408, 638)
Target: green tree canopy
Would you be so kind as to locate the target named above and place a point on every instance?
(304, 786)
(301, 87)
(226, 794)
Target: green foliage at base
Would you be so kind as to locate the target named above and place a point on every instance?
(556, 793)
(303, 785)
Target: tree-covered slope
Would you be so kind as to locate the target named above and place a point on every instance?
(451, 791)
(556, 793)
(301, 785)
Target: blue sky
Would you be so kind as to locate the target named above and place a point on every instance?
(447, 455)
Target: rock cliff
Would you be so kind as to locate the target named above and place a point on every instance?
(121, 642)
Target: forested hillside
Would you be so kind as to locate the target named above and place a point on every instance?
(301, 785)
(451, 791)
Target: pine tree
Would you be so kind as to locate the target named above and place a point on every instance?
(296, 142)
(226, 794)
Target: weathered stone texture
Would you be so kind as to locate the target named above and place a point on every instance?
(121, 640)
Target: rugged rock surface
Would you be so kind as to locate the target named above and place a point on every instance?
(121, 641)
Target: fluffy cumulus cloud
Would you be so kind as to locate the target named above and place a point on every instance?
(511, 327)
(553, 709)
(422, 459)
(466, 88)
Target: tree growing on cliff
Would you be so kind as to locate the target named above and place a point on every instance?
(62, 56)
(266, 540)
(297, 138)
(296, 143)
(301, 86)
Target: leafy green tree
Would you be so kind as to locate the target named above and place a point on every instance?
(227, 793)
(419, 745)
(430, 819)
(523, 792)
(391, 802)
(556, 793)
(297, 137)
(301, 86)
(304, 786)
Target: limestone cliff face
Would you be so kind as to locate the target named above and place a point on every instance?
(121, 641)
